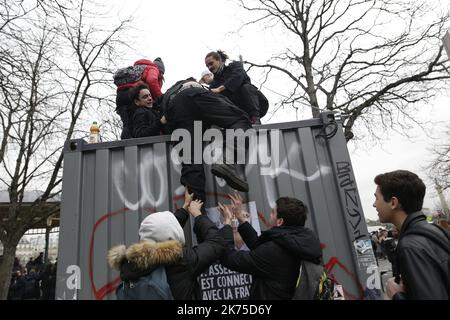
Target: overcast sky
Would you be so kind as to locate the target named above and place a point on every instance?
(182, 32)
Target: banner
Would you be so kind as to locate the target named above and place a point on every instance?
(219, 282)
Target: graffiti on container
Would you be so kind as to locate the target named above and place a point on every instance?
(99, 294)
(152, 175)
(152, 171)
(348, 187)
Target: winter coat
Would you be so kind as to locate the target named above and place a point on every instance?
(239, 90)
(422, 264)
(274, 259)
(183, 265)
(125, 109)
(232, 77)
(152, 77)
(146, 122)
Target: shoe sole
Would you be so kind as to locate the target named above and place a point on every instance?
(231, 179)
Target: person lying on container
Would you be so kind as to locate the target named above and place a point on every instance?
(147, 120)
(275, 256)
(161, 258)
(232, 81)
(185, 105)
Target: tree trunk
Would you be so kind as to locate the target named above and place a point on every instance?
(6, 266)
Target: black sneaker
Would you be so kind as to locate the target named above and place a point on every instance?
(227, 173)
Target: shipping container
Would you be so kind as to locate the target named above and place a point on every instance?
(110, 187)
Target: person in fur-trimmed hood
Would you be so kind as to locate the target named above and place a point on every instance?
(163, 243)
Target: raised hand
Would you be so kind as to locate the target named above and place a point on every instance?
(194, 208)
(187, 198)
(226, 214)
(236, 201)
(238, 208)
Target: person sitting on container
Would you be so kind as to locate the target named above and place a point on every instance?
(232, 81)
(163, 244)
(275, 256)
(147, 120)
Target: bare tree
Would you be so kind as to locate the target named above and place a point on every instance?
(440, 166)
(57, 65)
(370, 60)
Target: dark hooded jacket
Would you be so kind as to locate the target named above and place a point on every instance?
(183, 264)
(274, 259)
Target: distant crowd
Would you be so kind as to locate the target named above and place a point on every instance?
(35, 281)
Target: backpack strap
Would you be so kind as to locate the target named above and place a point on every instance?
(433, 236)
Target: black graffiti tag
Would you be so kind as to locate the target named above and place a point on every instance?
(348, 188)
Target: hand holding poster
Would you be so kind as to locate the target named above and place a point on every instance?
(218, 282)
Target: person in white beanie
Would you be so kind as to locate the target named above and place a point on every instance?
(206, 78)
(163, 244)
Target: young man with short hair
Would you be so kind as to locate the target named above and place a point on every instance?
(422, 251)
(275, 256)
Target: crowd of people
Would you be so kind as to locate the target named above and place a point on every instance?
(224, 97)
(421, 253)
(35, 281)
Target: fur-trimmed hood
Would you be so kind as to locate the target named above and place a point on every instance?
(144, 256)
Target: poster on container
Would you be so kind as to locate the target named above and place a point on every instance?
(219, 282)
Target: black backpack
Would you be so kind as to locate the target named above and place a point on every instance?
(128, 75)
(263, 103)
(313, 283)
(153, 286)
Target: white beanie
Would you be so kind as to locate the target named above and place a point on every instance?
(160, 227)
(204, 73)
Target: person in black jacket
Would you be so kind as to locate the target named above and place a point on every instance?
(162, 243)
(147, 120)
(187, 104)
(275, 256)
(232, 81)
(422, 252)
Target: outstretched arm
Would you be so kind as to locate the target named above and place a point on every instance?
(182, 214)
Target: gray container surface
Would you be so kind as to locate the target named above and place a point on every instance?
(110, 187)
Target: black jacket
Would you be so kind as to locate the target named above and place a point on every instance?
(239, 90)
(183, 265)
(274, 259)
(146, 122)
(232, 76)
(422, 263)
